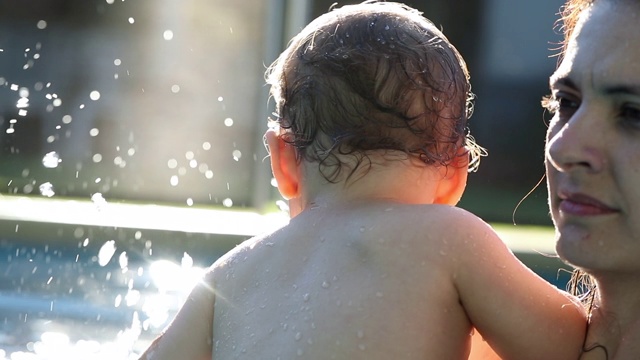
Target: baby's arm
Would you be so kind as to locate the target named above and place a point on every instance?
(518, 313)
(189, 335)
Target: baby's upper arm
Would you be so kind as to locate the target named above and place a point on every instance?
(190, 334)
(521, 315)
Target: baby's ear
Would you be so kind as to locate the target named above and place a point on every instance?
(284, 164)
(453, 182)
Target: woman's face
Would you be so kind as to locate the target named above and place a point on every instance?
(593, 142)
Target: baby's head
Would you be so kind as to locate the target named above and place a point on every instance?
(372, 78)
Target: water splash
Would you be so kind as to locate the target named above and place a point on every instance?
(123, 261)
(46, 189)
(99, 200)
(187, 261)
(51, 160)
(106, 252)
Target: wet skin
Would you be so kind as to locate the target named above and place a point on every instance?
(593, 169)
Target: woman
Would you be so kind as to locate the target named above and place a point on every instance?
(593, 167)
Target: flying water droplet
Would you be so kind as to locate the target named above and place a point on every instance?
(46, 189)
(187, 261)
(51, 160)
(123, 260)
(99, 200)
(106, 252)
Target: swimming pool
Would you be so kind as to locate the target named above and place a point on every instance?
(82, 280)
(100, 281)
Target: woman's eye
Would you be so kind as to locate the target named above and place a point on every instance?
(560, 104)
(566, 104)
(631, 113)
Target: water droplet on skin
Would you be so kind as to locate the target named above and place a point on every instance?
(305, 297)
(298, 336)
(360, 334)
(362, 229)
(325, 285)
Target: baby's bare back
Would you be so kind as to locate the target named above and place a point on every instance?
(360, 283)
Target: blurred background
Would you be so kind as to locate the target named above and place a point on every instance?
(130, 140)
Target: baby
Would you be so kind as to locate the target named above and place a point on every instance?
(369, 144)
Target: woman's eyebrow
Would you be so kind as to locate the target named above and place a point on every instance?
(622, 90)
(561, 81)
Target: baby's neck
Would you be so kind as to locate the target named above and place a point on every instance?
(395, 182)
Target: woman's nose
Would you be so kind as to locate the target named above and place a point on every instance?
(575, 145)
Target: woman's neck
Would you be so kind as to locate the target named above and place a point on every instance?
(614, 323)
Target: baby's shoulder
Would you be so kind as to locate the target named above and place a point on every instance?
(434, 218)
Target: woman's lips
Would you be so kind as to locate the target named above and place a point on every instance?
(583, 205)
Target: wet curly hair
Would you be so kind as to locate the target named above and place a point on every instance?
(369, 77)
